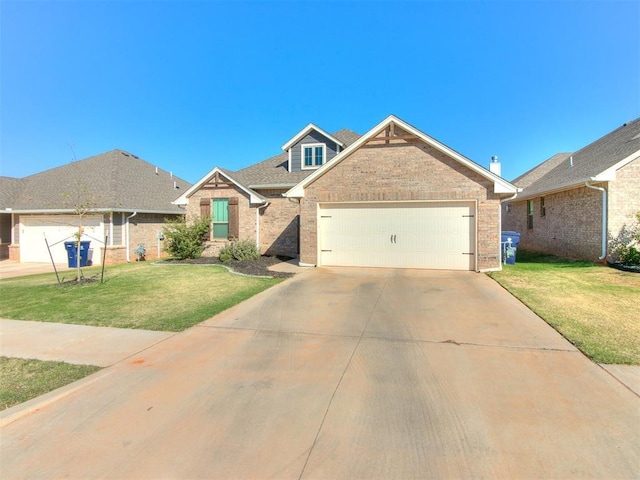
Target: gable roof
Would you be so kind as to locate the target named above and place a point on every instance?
(115, 181)
(596, 162)
(254, 197)
(391, 122)
(273, 172)
(533, 175)
(305, 131)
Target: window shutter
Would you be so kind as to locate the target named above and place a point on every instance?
(205, 212)
(205, 207)
(234, 221)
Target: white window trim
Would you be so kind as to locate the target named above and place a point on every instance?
(313, 146)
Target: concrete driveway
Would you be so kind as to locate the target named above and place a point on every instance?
(342, 373)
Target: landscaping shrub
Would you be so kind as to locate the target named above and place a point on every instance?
(240, 250)
(183, 239)
(626, 245)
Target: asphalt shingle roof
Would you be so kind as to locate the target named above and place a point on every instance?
(114, 180)
(273, 171)
(557, 173)
(9, 188)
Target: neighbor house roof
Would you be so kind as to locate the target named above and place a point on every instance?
(112, 181)
(596, 162)
(500, 185)
(273, 172)
(9, 187)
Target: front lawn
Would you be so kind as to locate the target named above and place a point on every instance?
(595, 307)
(140, 295)
(22, 380)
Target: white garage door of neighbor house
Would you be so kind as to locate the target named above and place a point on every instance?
(56, 229)
(434, 235)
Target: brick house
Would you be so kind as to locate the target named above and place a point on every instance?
(573, 204)
(393, 197)
(129, 199)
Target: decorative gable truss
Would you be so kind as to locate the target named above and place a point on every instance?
(217, 196)
(218, 178)
(393, 130)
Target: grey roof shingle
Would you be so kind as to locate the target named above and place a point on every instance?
(556, 173)
(273, 171)
(114, 180)
(9, 188)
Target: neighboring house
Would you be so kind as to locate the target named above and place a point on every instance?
(129, 200)
(573, 203)
(393, 197)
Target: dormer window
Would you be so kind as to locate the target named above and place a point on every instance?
(313, 155)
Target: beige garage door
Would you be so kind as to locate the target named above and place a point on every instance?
(434, 235)
(56, 229)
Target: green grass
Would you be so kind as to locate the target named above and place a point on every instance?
(595, 307)
(140, 295)
(22, 380)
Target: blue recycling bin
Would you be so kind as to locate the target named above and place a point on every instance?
(72, 253)
(510, 241)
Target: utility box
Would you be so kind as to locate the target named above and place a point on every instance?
(72, 253)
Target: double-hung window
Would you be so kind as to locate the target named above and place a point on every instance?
(529, 214)
(221, 218)
(313, 155)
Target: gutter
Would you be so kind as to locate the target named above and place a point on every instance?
(604, 216)
(64, 211)
(128, 238)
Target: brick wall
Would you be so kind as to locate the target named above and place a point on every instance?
(571, 226)
(246, 214)
(413, 171)
(279, 225)
(624, 198)
(143, 228)
(278, 221)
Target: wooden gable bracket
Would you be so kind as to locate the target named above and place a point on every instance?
(389, 134)
(218, 181)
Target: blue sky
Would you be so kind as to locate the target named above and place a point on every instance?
(191, 85)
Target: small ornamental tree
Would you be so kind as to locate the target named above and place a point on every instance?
(83, 203)
(184, 239)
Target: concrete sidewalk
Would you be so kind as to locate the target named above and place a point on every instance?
(77, 344)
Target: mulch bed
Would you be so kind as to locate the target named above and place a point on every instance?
(248, 267)
(625, 268)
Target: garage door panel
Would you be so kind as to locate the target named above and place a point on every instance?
(429, 235)
(56, 229)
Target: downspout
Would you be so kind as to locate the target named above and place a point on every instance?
(128, 247)
(500, 218)
(258, 224)
(604, 217)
